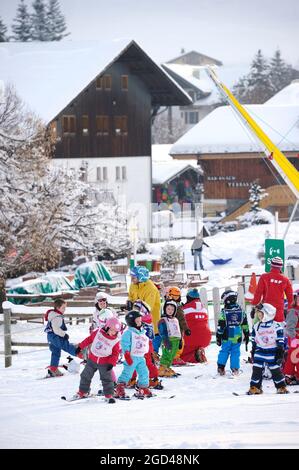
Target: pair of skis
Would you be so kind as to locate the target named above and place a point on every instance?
(126, 398)
(236, 394)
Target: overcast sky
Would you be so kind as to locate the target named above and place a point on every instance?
(229, 30)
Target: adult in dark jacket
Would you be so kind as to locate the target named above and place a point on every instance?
(196, 250)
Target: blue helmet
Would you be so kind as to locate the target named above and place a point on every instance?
(141, 272)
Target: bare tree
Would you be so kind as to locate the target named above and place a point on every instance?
(163, 132)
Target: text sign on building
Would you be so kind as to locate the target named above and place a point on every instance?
(273, 247)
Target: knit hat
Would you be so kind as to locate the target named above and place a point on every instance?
(193, 294)
(276, 262)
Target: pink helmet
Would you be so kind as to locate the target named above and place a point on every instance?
(113, 323)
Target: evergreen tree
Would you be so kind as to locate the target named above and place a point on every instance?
(255, 87)
(256, 195)
(56, 22)
(40, 29)
(21, 25)
(259, 84)
(3, 31)
(280, 72)
(240, 89)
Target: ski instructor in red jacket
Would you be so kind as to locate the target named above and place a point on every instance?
(271, 289)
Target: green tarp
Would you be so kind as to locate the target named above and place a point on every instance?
(91, 274)
(47, 284)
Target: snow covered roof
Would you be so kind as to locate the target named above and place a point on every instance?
(187, 72)
(49, 75)
(196, 76)
(288, 95)
(221, 131)
(164, 167)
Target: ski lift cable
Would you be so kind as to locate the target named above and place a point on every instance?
(283, 137)
(257, 145)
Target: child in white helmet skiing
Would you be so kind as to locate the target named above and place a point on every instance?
(268, 348)
(169, 329)
(103, 356)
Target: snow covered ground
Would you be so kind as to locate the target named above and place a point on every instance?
(203, 414)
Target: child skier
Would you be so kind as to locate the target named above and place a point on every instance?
(154, 382)
(57, 337)
(101, 312)
(103, 355)
(268, 348)
(174, 293)
(170, 333)
(232, 321)
(134, 344)
(291, 367)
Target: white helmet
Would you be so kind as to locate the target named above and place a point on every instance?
(100, 296)
(106, 313)
(268, 310)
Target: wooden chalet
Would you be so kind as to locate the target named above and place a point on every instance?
(231, 160)
(112, 114)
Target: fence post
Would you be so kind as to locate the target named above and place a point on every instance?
(7, 336)
(216, 305)
(241, 296)
(204, 297)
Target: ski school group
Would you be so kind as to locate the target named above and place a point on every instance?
(162, 332)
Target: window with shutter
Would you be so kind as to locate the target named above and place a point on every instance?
(69, 124)
(102, 125)
(85, 124)
(124, 82)
(121, 125)
(107, 82)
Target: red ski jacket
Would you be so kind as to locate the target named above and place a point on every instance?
(112, 359)
(198, 322)
(271, 289)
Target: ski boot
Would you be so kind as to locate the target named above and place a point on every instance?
(54, 372)
(254, 390)
(143, 392)
(110, 399)
(156, 384)
(291, 380)
(164, 371)
(80, 394)
(235, 372)
(221, 369)
(282, 390)
(200, 355)
(120, 391)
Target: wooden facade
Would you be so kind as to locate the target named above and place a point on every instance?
(228, 177)
(111, 117)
